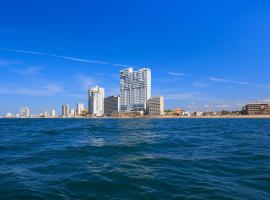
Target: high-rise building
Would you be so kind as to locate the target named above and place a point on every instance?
(25, 112)
(135, 89)
(111, 105)
(96, 101)
(65, 110)
(155, 106)
(53, 113)
(72, 112)
(80, 109)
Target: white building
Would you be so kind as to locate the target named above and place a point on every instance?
(135, 89)
(53, 113)
(25, 112)
(65, 110)
(96, 101)
(8, 115)
(155, 106)
(72, 112)
(80, 109)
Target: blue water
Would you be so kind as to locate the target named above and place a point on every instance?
(135, 159)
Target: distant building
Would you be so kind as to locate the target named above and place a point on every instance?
(8, 115)
(111, 105)
(155, 106)
(257, 109)
(65, 110)
(72, 112)
(53, 113)
(186, 114)
(46, 114)
(80, 109)
(96, 101)
(25, 112)
(135, 89)
(178, 112)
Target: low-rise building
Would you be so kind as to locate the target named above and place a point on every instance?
(178, 112)
(155, 106)
(257, 109)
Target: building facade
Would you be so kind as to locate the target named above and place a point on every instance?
(65, 110)
(80, 109)
(96, 101)
(257, 109)
(155, 106)
(111, 105)
(135, 89)
(25, 112)
(53, 113)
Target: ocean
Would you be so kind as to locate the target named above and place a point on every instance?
(135, 159)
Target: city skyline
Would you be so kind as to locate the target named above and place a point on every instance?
(214, 61)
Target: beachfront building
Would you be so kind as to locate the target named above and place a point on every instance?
(135, 89)
(72, 112)
(155, 106)
(65, 110)
(96, 101)
(80, 109)
(25, 112)
(111, 105)
(53, 113)
(178, 112)
(257, 109)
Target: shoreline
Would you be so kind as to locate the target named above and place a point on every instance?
(156, 117)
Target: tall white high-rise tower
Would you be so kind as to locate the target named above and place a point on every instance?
(135, 89)
(96, 101)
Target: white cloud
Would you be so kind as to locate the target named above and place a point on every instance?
(9, 62)
(29, 71)
(183, 96)
(198, 84)
(177, 74)
(63, 57)
(221, 80)
(85, 81)
(46, 90)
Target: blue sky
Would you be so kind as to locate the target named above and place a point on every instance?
(203, 54)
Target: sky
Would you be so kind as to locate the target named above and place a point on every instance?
(204, 55)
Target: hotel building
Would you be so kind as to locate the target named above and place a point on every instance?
(65, 110)
(135, 89)
(257, 109)
(155, 106)
(111, 105)
(25, 112)
(80, 109)
(96, 101)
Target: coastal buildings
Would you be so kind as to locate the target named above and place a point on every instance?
(155, 106)
(72, 112)
(135, 89)
(53, 113)
(25, 112)
(111, 105)
(96, 101)
(65, 110)
(80, 109)
(257, 109)
(178, 112)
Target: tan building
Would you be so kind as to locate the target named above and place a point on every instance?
(178, 112)
(155, 106)
(257, 109)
